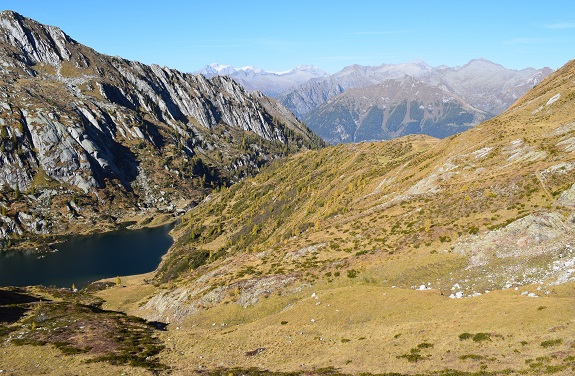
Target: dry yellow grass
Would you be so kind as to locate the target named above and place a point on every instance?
(362, 328)
(127, 296)
(353, 326)
(393, 212)
(47, 360)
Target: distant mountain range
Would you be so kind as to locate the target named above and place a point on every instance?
(392, 109)
(474, 92)
(272, 84)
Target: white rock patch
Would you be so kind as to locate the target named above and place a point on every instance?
(553, 99)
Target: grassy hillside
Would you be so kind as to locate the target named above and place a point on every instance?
(413, 256)
(380, 201)
(289, 206)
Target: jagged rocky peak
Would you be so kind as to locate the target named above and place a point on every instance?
(36, 43)
(103, 127)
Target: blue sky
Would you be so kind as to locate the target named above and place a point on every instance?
(279, 35)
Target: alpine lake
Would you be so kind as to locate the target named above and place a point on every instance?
(85, 259)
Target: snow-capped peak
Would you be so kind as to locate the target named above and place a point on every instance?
(250, 68)
(309, 69)
(227, 70)
(219, 67)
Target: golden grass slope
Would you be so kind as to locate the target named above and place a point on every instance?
(323, 210)
(488, 209)
(412, 256)
(374, 329)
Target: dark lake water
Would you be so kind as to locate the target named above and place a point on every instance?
(85, 259)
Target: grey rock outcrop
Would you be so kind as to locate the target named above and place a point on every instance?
(536, 249)
(567, 198)
(108, 128)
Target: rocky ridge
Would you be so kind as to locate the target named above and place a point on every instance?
(481, 83)
(88, 137)
(310, 95)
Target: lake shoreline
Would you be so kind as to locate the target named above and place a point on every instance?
(80, 260)
(44, 244)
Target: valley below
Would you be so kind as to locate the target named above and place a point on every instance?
(411, 256)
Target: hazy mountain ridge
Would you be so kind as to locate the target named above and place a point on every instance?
(310, 95)
(76, 123)
(269, 83)
(393, 108)
(483, 84)
(486, 85)
(481, 90)
(482, 87)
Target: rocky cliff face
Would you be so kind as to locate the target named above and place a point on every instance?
(88, 138)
